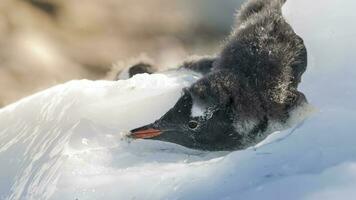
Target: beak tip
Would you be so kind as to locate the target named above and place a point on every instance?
(131, 135)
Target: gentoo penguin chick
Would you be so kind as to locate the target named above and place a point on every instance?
(250, 85)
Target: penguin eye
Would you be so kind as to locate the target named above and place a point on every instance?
(192, 124)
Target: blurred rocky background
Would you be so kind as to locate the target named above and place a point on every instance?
(47, 42)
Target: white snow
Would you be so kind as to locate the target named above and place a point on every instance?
(67, 142)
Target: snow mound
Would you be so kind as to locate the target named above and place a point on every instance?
(68, 142)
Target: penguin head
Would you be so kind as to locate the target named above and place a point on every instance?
(210, 128)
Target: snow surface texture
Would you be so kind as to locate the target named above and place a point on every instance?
(67, 142)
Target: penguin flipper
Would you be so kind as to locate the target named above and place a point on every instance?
(201, 65)
(138, 68)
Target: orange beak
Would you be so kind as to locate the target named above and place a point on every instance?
(145, 134)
